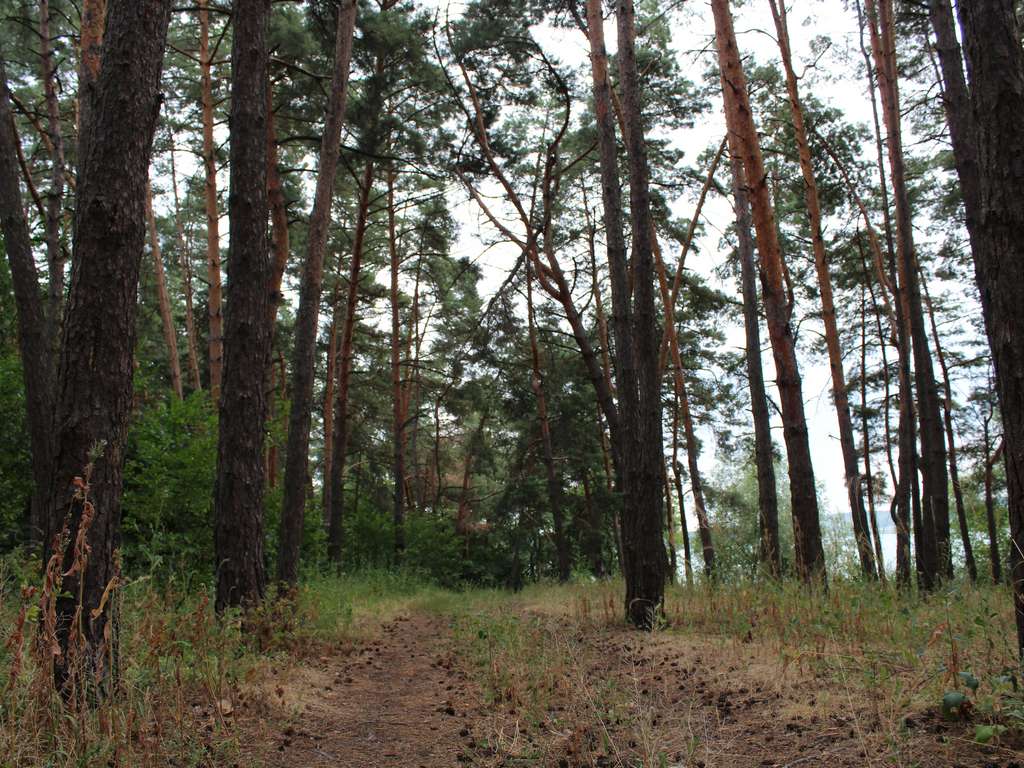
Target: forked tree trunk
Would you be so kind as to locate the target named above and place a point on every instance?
(840, 396)
(996, 65)
(37, 360)
(306, 320)
(214, 299)
(163, 297)
(769, 552)
(238, 497)
(344, 364)
(810, 556)
(94, 382)
(642, 465)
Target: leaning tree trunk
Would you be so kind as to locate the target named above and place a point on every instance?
(643, 521)
(238, 497)
(840, 395)
(94, 382)
(996, 65)
(163, 297)
(810, 556)
(554, 487)
(306, 321)
(37, 360)
(769, 553)
(683, 403)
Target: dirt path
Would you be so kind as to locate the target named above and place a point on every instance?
(399, 700)
(574, 696)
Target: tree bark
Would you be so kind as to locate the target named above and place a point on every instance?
(643, 518)
(770, 552)
(306, 325)
(55, 195)
(185, 260)
(935, 558)
(163, 297)
(692, 446)
(214, 298)
(238, 497)
(554, 486)
(90, 52)
(840, 395)
(810, 557)
(397, 400)
(37, 360)
(990, 504)
(996, 68)
(340, 448)
(947, 415)
(94, 382)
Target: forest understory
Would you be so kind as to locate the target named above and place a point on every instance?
(383, 670)
(519, 681)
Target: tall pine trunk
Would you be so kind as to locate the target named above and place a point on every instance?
(214, 299)
(683, 400)
(185, 262)
(163, 297)
(94, 381)
(238, 497)
(840, 396)
(996, 67)
(339, 449)
(810, 556)
(769, 552)
(643, 519)
(34, 342)
(935, 556)
(55, 195)
(397, 399)
(306, 321)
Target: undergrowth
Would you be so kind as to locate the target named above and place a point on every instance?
(550, 659)
(181, 672)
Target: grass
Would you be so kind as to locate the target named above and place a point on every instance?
(182, 671)
(559, 669)
(560, 660)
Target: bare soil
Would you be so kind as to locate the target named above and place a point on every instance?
(412, 696)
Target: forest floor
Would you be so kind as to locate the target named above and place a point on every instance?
(554, 678)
